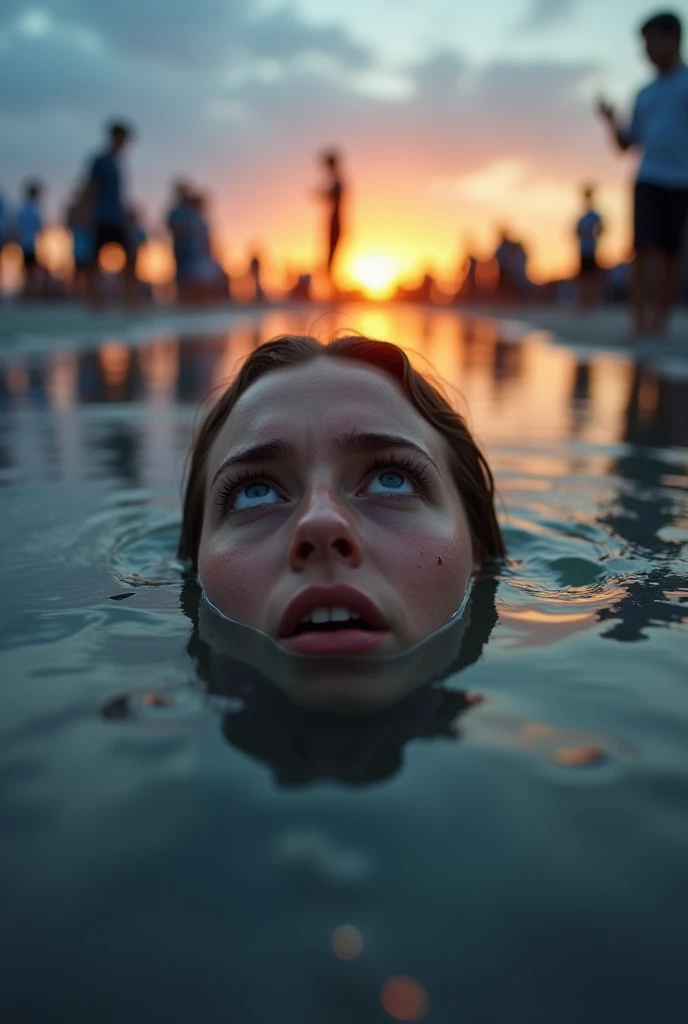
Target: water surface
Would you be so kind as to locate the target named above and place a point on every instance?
(171, 854)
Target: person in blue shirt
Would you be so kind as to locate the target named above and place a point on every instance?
(29, 227)
(659, 128)
(106, 194)
(588, 230)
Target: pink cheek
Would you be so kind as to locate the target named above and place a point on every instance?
(232, 583)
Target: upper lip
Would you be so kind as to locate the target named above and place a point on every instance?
(337, 595)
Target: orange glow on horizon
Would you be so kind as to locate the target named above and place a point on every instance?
(376, 275)
(389, 241)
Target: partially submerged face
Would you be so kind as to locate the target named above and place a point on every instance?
(332, 521)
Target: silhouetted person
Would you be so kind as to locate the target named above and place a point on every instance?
(659, 127)
(254, 269)
(468, 287)
(136, 233)
(180, 223)
(588, 230)
(209, 279)
(4, 232)
(511, 259)
(29, 227)
(80, 223)
(333, 195)
(107, 198)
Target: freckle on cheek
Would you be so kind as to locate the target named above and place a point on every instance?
(439, 560)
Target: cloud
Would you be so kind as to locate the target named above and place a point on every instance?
(207, 33)
(248, 128)
(544, 13)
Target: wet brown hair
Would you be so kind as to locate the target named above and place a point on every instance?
(469, 467)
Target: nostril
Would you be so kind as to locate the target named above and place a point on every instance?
(305, 549)
(342, 547)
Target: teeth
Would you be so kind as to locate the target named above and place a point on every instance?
(322, 615)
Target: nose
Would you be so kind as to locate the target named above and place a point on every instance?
(324, 533)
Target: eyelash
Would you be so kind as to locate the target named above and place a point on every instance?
(404, 465)
(415, 470)
(231, 485)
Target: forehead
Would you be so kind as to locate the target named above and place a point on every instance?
(319, 399)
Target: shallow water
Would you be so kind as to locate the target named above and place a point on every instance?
(167, 856)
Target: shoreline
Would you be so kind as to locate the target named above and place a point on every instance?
(64, 323)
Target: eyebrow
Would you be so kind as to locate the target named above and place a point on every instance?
(271, 451)
(351, 443)
(365, 441)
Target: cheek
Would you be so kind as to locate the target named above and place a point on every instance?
(236, 579)
(430, 570)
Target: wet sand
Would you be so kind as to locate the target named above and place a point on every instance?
(24, 326)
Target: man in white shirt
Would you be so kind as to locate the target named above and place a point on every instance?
(659, 128)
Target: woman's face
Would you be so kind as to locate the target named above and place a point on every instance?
(332, 522)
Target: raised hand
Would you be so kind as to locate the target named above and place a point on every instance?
(606, 110)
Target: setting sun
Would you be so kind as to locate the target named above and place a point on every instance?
(376, 275)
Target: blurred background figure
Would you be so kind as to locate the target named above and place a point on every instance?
(136, 236)
(180, 224)
(106, 195)
(29, 227)
(4, 232)
(588, 230)
(511, 260)
(333, 196)
(659, 128)
(468, 275)
(209, 280)
(254, 269)
(79, 220)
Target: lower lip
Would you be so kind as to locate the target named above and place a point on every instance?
(340, 641)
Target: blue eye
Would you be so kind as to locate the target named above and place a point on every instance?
(389, 481)
(254, 495)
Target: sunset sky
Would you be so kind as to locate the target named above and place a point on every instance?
(452, 117)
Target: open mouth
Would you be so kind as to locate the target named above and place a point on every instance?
(331, 620)
(336, 619)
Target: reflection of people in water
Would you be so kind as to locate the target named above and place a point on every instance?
(333, 195)
(655, 419)
(337, 503)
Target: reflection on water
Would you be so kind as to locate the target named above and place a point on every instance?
(529, 809)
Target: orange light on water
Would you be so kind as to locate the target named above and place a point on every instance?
(114, 359)
(347, 942)
(376, 275)
(404, 999)
(112, 258)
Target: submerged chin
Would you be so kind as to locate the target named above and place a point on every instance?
(341, 694)
(344, 641)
